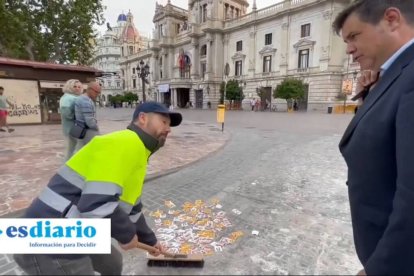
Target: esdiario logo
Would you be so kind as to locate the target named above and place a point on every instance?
(44, 229)
(55, 236)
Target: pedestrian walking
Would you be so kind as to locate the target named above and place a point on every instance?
(72, 89)
(3, 111)
(85, 112)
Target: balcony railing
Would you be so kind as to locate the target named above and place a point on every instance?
(265, 12)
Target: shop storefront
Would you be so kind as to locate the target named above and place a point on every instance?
(35, 88)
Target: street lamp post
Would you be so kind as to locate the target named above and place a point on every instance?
(142, 73)
(226, 74)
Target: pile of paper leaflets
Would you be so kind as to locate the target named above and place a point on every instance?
(198, 228)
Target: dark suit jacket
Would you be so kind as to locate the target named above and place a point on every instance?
(378, 147)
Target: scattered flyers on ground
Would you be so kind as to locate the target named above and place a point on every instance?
(198, 228)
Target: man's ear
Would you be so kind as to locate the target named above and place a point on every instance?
(393, 17)
(142, 119)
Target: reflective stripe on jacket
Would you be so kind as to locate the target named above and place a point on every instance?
(103, 179)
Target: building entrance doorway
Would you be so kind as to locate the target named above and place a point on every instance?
(199, 98)
(265, 98)
(166, 98)
(183, 97)
(302, 104)
(49, 104)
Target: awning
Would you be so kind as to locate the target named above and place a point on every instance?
(163, 88)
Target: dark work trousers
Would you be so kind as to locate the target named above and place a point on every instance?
(105, 264)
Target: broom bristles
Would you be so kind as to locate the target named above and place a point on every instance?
(176, 263)
(179, 260)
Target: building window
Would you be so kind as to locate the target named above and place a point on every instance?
(226, 11)
(303, 61)
(238, 68)
(203, 69)
(134, 83)
(305, 30)
(268, 39)
(203, 51)
(161, 30)
(267, 64)
(131, 50)
(239, 46)
(118, 84)
(160, 65)
(204, 13)
(133, 71)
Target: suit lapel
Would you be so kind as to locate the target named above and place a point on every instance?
(380, 89)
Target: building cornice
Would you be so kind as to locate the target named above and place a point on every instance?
(267, 50)
(270, 13)
(304, 43)
(238, 55)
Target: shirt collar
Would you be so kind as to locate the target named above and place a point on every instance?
(150, 142)
(391, 60)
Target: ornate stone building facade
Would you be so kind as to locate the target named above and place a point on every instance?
(190, 49)
(117, 42)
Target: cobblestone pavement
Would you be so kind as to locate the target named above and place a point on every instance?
(286, 176)
(32, 154)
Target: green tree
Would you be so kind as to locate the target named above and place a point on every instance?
(130, 97)
(58, 31)
(234, 91)
(117, 99)
(290, 89)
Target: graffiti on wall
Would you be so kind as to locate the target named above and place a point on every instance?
(24, 98)
(24, 110)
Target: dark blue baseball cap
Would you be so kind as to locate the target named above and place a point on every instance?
(155, 107)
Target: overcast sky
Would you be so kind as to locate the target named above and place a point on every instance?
(143, 11)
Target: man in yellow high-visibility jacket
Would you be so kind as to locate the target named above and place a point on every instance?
(104, 180)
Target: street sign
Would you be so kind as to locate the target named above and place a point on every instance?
(347, 86)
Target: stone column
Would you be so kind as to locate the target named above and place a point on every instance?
(325, 40)
(209, 59)
(174, 97)
(195, 62)
(284, 49)
(171, 63)
(218, 54)
(252, 52)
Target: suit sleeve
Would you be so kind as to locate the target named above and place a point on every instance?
(394, 253)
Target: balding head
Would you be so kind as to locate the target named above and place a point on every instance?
(93, 90)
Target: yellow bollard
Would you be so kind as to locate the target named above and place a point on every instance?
(221, 110)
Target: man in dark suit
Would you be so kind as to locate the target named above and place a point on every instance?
(378, 145)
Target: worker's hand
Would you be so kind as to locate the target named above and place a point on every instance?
(130, 245)
(159, 250)
(367, 77)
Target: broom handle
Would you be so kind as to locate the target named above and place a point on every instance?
(150, 248)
